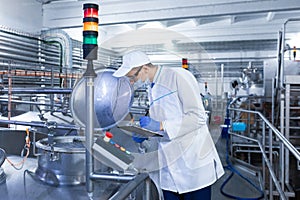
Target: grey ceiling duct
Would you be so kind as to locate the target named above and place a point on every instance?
(64, 39)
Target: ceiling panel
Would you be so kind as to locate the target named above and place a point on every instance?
(229, 31)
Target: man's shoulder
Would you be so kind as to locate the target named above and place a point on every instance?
(178, 71)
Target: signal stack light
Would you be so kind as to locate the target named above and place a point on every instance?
(185, 63)
(90, 31)
(90, 52)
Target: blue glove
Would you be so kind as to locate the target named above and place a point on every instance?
(149, 123)
(137, 138)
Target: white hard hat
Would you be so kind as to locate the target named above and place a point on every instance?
(131, 60)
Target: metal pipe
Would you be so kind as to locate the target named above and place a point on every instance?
(273, 101)
(271, 163)
(281, 68)
(217, 84)
(279, 48)
(37, 90)
(111, 177)
(38, 73)
(126, 189)
(147, 189)
(287, 143)
(222, 89)
(62, 37)
(30, 102)
(43, 125)
(252, 151)
(272, 173)
(34, 144)
(287, 131)
(286, 147)
(250, 145)
(89, 125)
(282, 150)
(263, 163)
(20, 46)
(9, 95)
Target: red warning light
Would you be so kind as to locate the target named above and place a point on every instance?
(185, 63)
(91, 11)
(90, 31)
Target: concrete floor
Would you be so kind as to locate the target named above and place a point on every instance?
(21, 185)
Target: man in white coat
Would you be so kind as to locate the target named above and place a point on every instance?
(188, 160)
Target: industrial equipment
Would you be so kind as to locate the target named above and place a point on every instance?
(62, 161)
(113, 98)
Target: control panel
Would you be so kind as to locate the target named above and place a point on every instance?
(112, 154)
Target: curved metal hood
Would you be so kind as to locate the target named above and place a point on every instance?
(112, 100)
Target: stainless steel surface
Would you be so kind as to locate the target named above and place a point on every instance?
(64, 39)
(112, 100)
(125, 190)
(114, 177)
(291, 69)
(22, 51)
(293, 79)
(89, 77)
(62, 163)
(287, 130)
(22, 47)
(38, 124)
(22, 184)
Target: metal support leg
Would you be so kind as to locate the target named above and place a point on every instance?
(147, 189)
(89, 126)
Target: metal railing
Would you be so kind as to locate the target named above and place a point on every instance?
(268, 159)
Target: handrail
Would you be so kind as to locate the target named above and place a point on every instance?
(272, 173)
(287, 143)
(126, 189)
(285, 146)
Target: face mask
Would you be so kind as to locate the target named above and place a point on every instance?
(140, 84)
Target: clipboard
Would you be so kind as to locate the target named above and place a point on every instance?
(134, 128)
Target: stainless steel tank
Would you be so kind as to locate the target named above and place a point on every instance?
(62, 162)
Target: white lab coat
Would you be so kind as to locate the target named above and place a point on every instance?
(187, 157)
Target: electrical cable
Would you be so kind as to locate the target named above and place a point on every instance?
(26, 148)
(233, 170)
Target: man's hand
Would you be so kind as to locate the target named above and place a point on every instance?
(150, 124)
(137, 138)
